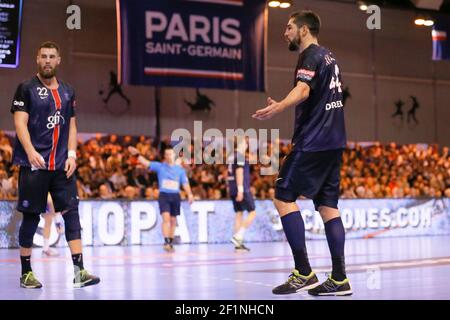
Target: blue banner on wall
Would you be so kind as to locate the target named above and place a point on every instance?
(440, 35)
(192, 43)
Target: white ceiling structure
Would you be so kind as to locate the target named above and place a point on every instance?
(428, 4)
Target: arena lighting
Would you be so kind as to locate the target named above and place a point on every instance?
(274, 4)
(362, 5)
(424, 21)
(285, 4)
(419, 21)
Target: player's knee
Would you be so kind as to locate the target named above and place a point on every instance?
(328, 210)
(166, 217)
(72, 224)
(280, 203)
(27, 229)
(285, 207)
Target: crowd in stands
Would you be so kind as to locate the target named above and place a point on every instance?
(106, 170)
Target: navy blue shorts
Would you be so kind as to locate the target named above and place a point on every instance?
(247, 204)
(34, 187)
(315, 175)
(169, 202)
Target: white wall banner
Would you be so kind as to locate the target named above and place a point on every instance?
(139, 222)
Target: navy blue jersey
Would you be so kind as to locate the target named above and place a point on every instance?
(319, 120)
(49, 114)
(232, 185)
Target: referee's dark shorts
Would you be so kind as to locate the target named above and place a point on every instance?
(169, 202)
(314, 175)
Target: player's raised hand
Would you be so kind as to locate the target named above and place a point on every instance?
(36, 160)
(273, 107)
(133, 151)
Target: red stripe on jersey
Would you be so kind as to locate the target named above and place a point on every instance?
(57, 100)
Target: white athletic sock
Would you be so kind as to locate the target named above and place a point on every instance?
(240, 234)
(46, 245)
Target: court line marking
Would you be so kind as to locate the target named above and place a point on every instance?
(388, 265)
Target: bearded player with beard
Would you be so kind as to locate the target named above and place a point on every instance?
(45, 149)
(312, 168)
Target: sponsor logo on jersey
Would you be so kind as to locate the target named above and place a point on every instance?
(303, 74)
(18, 103)
(170, 184)
(54, 120)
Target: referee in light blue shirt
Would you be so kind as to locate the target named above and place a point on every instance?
(170, 177)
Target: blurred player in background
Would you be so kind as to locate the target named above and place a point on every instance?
(49, 216)
(239, 189)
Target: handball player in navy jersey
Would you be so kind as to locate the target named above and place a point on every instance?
(241, 196)
(45, 149)
(312, 168)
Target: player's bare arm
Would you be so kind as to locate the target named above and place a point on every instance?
(188, 190)
(297, 95)
(240, 184)
(142, 160)
(71, 163)
(21, 124)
